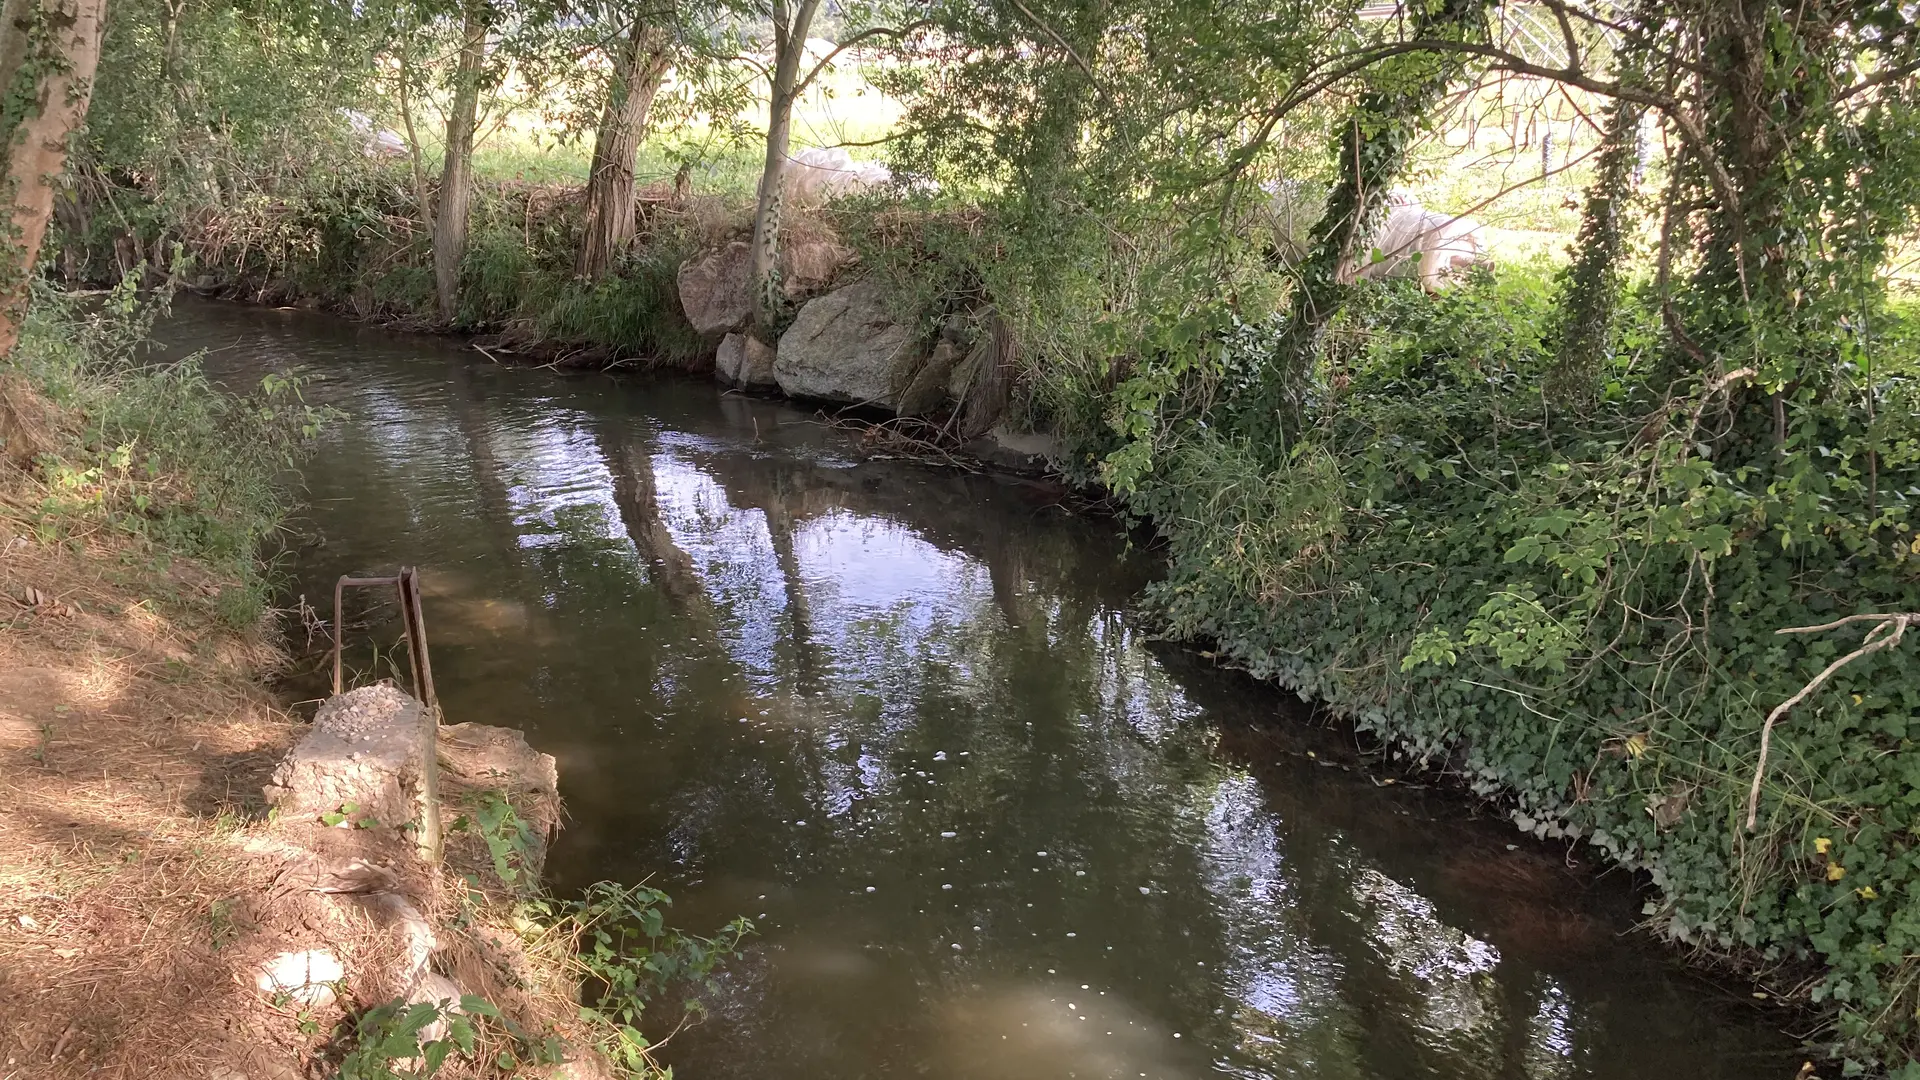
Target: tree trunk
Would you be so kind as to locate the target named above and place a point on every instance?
(456, 172)
(789, 46)
(415, 161)
(1590, 287)
(1372, 149)
(64, 51)
(623, 125)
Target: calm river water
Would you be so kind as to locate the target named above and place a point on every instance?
(903, 719)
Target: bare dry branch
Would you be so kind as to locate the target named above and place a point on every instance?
(1887, 632)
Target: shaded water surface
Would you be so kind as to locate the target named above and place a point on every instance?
(903, 719)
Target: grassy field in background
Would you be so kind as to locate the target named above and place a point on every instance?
(1515, 156)
(842, 108)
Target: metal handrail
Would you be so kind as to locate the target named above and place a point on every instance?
(406, 585)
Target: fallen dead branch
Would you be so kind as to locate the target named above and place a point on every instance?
(1887, 631)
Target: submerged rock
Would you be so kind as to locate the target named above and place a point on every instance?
(847, 347)
(1016, 451)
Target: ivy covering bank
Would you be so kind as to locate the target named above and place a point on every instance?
(1580, 615)
(1545, 527)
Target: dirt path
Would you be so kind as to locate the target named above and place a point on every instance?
(134, 741)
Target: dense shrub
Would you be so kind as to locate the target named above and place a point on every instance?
(1578, 613)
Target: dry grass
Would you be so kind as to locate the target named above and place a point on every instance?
(28, 422)
(141, 881)
(133, 743)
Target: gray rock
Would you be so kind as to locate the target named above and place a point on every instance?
(483, 758)
(960, 330)
(756, 371)
(744, 361)
(965, 370)
(846, 347)
(1021, 452)
(714, 292)
(716, 288)
(928, 390)
(729, 358)
(808, 264)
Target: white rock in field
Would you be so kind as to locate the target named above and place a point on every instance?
(815, 176)
(1417, 242)
(306, 977)
(1412, 240)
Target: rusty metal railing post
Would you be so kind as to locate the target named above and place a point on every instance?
(416, 623)
(407, 585)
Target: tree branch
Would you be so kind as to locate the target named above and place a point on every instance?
(1061, 41)
(878, 31)
(1893, 626)
(1890, 75)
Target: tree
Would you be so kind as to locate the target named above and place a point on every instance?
(791, 24)
(644, 56)
(456, 171)
(1370, 151)
(51, 52)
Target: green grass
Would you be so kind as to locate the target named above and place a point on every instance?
(159, 454)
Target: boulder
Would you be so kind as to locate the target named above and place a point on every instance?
(729, 358)
(744, 361)
(928, 389)
(808, 264)
(965, 371)
(714, 290)
(477, 762)
(846, 347)
(1016, 451)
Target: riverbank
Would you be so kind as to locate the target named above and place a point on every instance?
(1574, 611)
(135, 737)
(134, 727)
(153, 907)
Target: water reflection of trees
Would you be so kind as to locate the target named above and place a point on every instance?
(1071, 729)
(926, 655)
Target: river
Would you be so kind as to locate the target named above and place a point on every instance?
(904, 719)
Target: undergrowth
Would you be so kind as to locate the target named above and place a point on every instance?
(1579, 612)
(350, 239)
(611, 942)
(154, 452)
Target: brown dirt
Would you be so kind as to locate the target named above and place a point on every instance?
(133, 744)
(142, 881)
